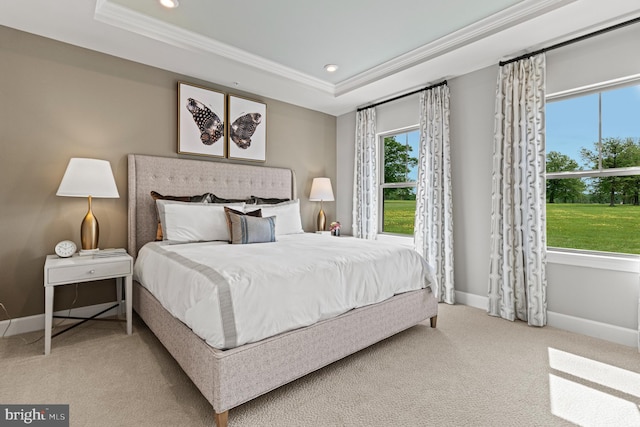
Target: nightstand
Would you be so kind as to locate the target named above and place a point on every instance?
(84, 269)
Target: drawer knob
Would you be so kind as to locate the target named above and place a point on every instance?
(92, 271)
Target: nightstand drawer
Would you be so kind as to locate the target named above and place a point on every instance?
(89, 272)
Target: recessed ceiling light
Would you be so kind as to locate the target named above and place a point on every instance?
(171, 4)
(330, 68)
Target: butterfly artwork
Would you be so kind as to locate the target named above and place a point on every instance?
(202, 127)
(243, 128)
(210, 126)
(247, 129)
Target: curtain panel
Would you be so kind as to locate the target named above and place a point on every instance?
(517, 276)
(365, 182)
(434, 201)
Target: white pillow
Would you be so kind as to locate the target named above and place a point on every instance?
(287, 215)
(194, 222)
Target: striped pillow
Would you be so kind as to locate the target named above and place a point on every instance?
(249, 229)
(227, 211)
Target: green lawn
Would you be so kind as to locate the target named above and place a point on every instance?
(594, 227)
(577, 226)
(399, 216)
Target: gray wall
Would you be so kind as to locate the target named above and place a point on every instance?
(345, 154)
(472, 105)
(58, 101)
(597, 294)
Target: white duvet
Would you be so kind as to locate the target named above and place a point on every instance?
(231, 295)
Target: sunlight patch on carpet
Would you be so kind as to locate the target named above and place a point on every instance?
(596, 372)
(584, 405)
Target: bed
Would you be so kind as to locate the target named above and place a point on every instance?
(229, 377)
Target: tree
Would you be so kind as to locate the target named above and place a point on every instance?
(631, 184)
(631, 190)
(397, 166)
(569, 190)
(616, 153)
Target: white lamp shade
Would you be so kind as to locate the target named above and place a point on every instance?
(88, 177)
(321, 190)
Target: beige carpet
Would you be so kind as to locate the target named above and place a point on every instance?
(473, 370)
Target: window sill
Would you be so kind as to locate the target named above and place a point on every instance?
(396, 238)
(599, 260)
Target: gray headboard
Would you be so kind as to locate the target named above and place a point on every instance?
(185, 177)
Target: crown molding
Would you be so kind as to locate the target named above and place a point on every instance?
(495, 23)
(127, 19)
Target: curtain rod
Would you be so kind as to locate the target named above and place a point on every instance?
(568, 42)
(442, 83)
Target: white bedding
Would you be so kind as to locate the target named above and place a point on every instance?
(231, 295)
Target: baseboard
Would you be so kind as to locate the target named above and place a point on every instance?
(472, 300)
(613, 333)
(23, 325)
(605, 331)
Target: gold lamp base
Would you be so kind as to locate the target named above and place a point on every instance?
(89, 231)
(322, 220)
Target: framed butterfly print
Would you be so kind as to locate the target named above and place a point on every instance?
(247, 129)
(201, 126)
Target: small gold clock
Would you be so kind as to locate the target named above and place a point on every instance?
(65, 249)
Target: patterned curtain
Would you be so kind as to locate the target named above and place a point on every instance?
(517, 277)
(434, 201)
(365, 182)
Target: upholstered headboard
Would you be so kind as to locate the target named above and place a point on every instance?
(185, 177)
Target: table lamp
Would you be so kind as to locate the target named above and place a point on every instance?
(321, 191)
(88, 178)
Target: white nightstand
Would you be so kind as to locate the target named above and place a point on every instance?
(81, 269)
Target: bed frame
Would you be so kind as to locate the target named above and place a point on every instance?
(228, 378)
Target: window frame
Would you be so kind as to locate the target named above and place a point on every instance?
(382, 185)
(618, 261)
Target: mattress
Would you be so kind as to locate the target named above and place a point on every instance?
(231, 295)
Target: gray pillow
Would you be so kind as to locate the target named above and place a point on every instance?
(227, 211)
(249, 229)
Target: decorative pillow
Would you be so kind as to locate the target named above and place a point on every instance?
(216, 199)
(194, 222)
(249, 229)
(257, 213)
(268, 200)
(287, 215)
(203, 198)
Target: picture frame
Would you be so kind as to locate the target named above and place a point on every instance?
(201, 121)
(246, 129)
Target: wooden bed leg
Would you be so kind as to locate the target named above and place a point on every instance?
(433, 321)
(222, 418)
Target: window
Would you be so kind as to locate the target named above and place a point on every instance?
(593, 170)
(398, 180)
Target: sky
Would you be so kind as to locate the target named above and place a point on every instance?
(412, 139)
(573, 123)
